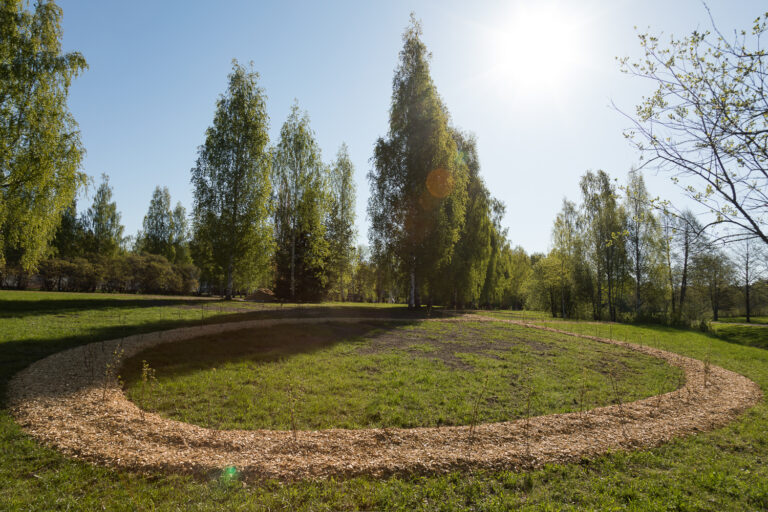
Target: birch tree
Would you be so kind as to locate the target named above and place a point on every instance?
(232, 186)
(604, 224)
(749, 255)
(642, 234)
(706, 123)
(180, 235)
(469, 264)
(341, 220)
(301, 203)
(418, 183)
(40, 148)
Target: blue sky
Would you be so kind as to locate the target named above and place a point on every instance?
(533, 81)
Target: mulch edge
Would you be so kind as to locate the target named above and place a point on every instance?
(62, 401)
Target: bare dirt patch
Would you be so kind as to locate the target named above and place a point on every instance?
(447, 349)
(62, 402)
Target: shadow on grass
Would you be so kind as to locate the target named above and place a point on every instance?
(260, 345)
(756, 320)
(17, 355)
(756, 336)
(24, 308)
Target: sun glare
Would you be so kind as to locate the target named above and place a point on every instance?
(538, 50)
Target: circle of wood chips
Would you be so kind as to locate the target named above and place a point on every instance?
(63, 402)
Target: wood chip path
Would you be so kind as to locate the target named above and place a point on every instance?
(62, 401)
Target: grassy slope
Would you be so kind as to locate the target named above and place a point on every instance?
(721, 470)
(386, 375)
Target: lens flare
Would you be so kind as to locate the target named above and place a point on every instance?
(439, 183)
(229, 474)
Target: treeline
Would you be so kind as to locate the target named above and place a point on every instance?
(128, 273)
(277, 216)
(615, 257)
(89, 253)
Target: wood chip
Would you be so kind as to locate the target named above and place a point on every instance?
(62, 401)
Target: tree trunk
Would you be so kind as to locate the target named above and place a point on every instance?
(599, 302)
(228, 293)
(609, 265)
(637, 276)
(671, 282)
(684, 277)
(562, 300)
(293, 264)
(412, 291)
(746, 281)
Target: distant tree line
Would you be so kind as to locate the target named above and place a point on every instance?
(89, 253)
(277, 216)
(615, 258)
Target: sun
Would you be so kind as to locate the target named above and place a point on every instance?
(538, 49)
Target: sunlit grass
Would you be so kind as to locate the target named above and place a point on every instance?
(721, 470)
(386, 375)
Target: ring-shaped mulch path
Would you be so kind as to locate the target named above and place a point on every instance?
(63, 402)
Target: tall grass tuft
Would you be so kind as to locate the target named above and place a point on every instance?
(148, 379)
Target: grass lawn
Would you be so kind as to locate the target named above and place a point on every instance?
(387, 375)
(753, 336)
(722, 470)
(743, 319)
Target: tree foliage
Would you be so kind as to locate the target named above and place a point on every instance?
(165, 231)
(707, 122)
(180, 235)
(232, 187)
(301, 207)
(341, 221)
(418, 183)
(643, 237)
(603, 221)
(124, 273)
(40, 148)
(156, 235)
(472, 253)
(70, 238)
(104, 232)
(632, 263)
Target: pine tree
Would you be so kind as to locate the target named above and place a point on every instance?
(232, 187)
(102, 221)
(157, 225)
(70, 238)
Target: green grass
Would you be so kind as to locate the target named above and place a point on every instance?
(742, 319)
(752, 336)
(722, 470)
(386, 375)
